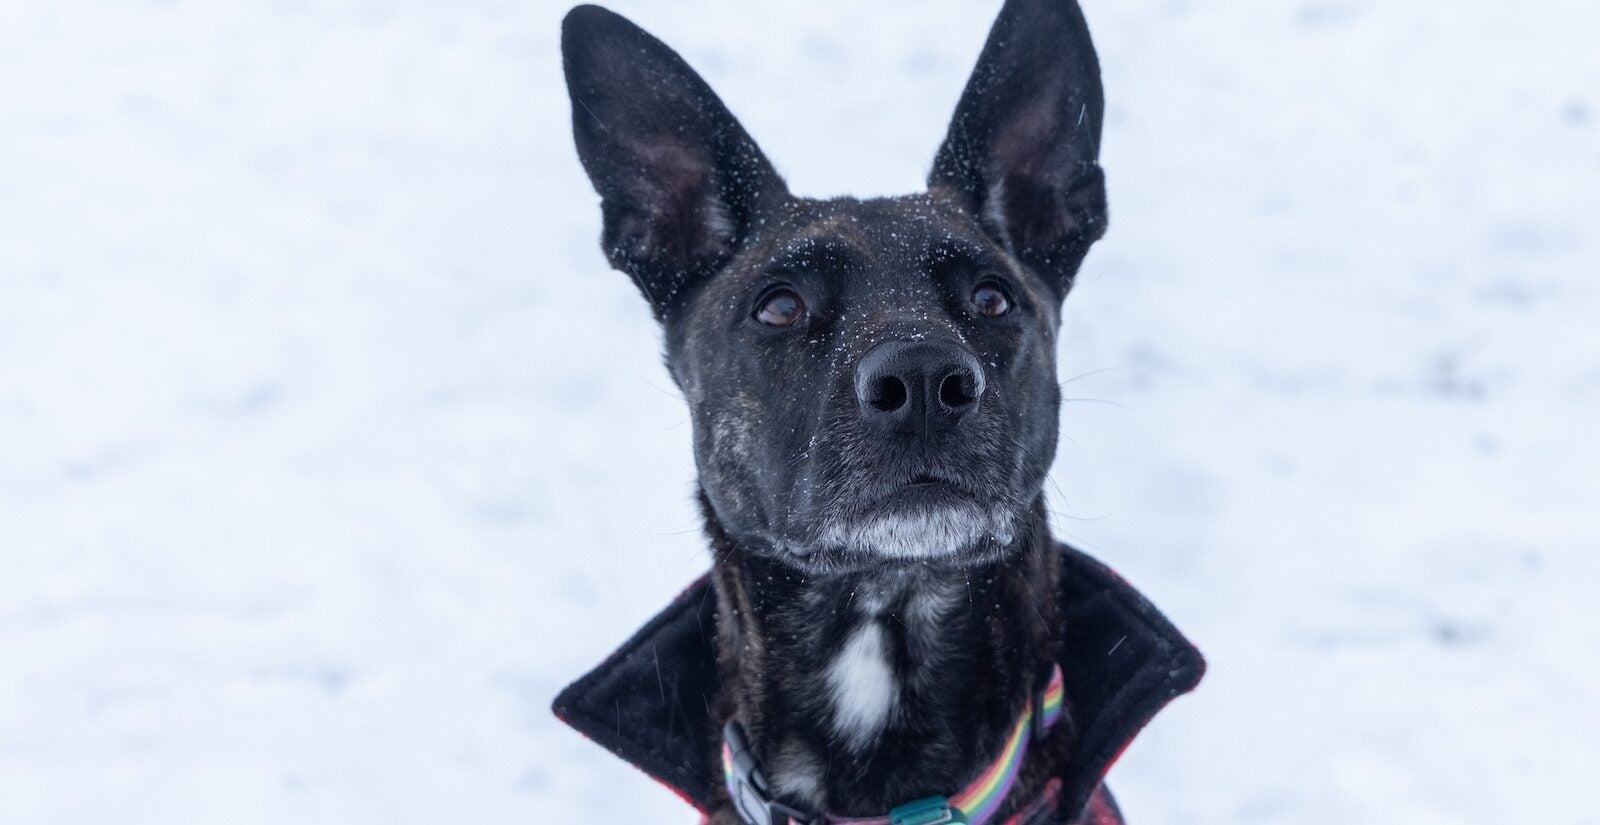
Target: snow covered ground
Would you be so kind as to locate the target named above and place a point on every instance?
(330, 449)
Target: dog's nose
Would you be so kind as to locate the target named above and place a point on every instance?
(911, 384)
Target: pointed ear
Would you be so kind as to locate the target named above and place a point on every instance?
(1023, 149)
(680, 181)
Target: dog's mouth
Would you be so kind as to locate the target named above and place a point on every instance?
(868, 501)
(922, 516)
(926, 490)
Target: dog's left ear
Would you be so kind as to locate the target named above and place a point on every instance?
(1023, 149)
(681, 183)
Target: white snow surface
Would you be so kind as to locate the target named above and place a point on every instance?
(330, 449)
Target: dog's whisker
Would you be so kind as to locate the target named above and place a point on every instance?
(658, 388)
(1106, 401)
(1091, 373)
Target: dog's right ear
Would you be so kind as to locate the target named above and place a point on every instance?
(1022, 154)
(681, 183)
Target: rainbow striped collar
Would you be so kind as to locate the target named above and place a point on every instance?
(976, 804)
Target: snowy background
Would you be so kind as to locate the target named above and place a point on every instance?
(330, 449)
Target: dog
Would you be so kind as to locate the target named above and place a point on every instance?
(873, 391)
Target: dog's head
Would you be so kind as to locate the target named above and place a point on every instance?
(874, 380)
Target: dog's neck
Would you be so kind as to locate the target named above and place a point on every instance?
(862, 691)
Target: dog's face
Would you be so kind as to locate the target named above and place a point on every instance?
(870, 381)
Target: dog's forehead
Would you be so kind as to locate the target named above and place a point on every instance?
(880, 246)
(878, 267)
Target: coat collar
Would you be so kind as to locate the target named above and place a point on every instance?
(651, 701)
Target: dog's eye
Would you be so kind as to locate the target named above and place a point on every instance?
(990, 300)
(780, 307)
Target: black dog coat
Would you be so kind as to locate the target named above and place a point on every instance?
(1122, 661)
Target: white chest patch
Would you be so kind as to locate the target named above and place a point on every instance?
(862, 686)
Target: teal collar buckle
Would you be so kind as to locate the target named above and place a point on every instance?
(934, 810)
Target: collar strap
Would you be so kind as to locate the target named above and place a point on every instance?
(977, 804)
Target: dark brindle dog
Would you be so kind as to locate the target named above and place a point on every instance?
(889, 628)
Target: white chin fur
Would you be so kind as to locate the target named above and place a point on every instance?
(921, 535)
